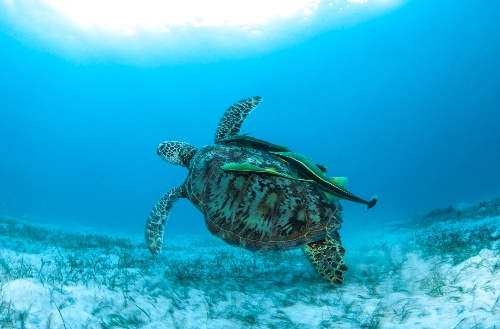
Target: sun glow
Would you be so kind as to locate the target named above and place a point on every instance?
(161, 15)
(177, 30)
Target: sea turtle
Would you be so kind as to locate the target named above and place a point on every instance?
(260, 206)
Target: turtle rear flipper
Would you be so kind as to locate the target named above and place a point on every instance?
(158, 218)
(326, 256)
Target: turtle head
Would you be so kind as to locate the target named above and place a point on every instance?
(178, 153)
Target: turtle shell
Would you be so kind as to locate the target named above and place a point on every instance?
(255, 211)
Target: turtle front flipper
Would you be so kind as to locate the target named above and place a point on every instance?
(158, 218)
(326, 256)
(230, 124)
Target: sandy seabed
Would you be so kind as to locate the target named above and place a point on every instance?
(441, 270)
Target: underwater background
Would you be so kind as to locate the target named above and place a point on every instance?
(401, 97)
(406, 103)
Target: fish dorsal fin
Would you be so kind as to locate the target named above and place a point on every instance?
(321, 167)
(234, 117)
(339, 182)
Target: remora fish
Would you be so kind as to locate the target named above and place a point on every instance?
(252, 142)
(257, 144)
(334, 186)
(247, 167)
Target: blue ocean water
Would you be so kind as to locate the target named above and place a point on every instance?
(406, 104)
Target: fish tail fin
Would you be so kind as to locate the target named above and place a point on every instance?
(372, 202)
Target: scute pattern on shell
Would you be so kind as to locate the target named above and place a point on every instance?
(258, 212)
